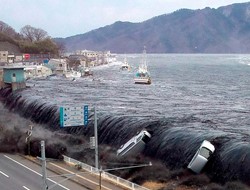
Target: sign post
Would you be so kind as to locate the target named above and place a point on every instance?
(86, 115)
(74, 116)
(77, 116)
(26, 56)
(96, 141)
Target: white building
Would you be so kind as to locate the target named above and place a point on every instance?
(59, 65)
(36, 71)
(3, 56)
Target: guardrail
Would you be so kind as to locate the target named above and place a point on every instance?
(105, 175)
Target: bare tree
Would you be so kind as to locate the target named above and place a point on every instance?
(61, 48)
(33, 34)
(7, 30)
(28, 32)
(40, 34)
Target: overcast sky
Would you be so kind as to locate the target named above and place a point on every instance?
(64, 18)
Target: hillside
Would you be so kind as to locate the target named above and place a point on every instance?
(222, 30)
(36, 42)
(8, 44)
(10, 47)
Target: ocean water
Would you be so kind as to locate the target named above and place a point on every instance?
(191, 98)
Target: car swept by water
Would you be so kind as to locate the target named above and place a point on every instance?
(135, 145)
(201, 157)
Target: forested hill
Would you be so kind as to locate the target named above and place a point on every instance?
(222, 30)
(29, 40)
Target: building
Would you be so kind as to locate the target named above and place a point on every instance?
(7, 57)
(3, 56)
(58, 66)
(92, 58)
(87, 53)
(14, 77)
(11, 58)
(36, 71)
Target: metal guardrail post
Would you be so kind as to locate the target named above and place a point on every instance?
(107, 175)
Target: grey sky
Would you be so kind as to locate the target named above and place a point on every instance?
(64, 18)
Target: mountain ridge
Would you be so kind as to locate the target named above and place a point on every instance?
(209, 30)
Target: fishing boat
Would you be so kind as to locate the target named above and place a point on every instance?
(125, 65)
(142, 75)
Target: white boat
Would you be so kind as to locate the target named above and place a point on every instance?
(72, 74)
(142, 76)
(87, 72)
(125, 65)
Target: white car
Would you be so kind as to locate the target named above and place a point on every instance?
(201, 157)
(135, 145)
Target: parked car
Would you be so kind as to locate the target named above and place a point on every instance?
(135, 145)
(201, 157)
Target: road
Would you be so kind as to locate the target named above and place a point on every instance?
(17, 172)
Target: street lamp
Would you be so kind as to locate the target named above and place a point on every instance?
(43, 158)
(68, 176)
(94, 143)
(129, 167)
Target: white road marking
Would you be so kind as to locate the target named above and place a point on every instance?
(35, 172)
(79, 176)
(26, 188)
(4, 174)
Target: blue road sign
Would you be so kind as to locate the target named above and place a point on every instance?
(73, 116)
(86, 115)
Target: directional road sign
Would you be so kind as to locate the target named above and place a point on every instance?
(73, 116)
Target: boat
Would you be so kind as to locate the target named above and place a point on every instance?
(142, 75)
(87, 72)
(125, 65)
(72, 74)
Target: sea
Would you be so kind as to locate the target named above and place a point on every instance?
(193, 97)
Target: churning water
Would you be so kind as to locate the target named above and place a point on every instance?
(191, 98)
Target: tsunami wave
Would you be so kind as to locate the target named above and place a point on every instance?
(174, 140)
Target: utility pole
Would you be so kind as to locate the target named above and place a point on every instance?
(96, 140)
(43, 158)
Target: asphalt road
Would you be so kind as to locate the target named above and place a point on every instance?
(17, 172)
